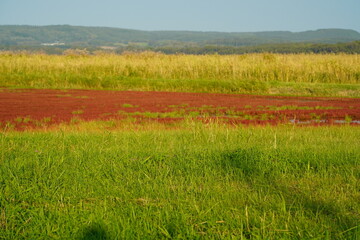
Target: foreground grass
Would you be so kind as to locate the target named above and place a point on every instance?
(201, 181)
(301, 74)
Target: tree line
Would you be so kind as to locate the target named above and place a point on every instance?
(283, 48)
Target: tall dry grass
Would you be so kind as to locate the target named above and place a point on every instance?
(169, 72)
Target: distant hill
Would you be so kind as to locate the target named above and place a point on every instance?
(11, 35)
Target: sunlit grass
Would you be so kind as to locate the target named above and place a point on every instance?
(194, 181)
(301, 74)
(131, 179)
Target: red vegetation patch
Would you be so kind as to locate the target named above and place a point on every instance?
(30, 108)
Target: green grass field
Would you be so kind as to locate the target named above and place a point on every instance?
(186, 180)
(194, 182)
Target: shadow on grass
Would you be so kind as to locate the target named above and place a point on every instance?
(262, 169)
(94, 231)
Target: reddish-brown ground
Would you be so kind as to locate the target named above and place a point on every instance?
(23, 107)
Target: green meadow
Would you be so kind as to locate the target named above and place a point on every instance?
(200, 181)
(186, 180)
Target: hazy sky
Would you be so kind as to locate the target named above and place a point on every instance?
(198, 15)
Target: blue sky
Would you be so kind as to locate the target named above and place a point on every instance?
(195, 15)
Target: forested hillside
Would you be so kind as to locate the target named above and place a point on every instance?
(98, 36)
(56, 39)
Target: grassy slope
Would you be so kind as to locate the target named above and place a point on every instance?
(201, 181)
(311, 75)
